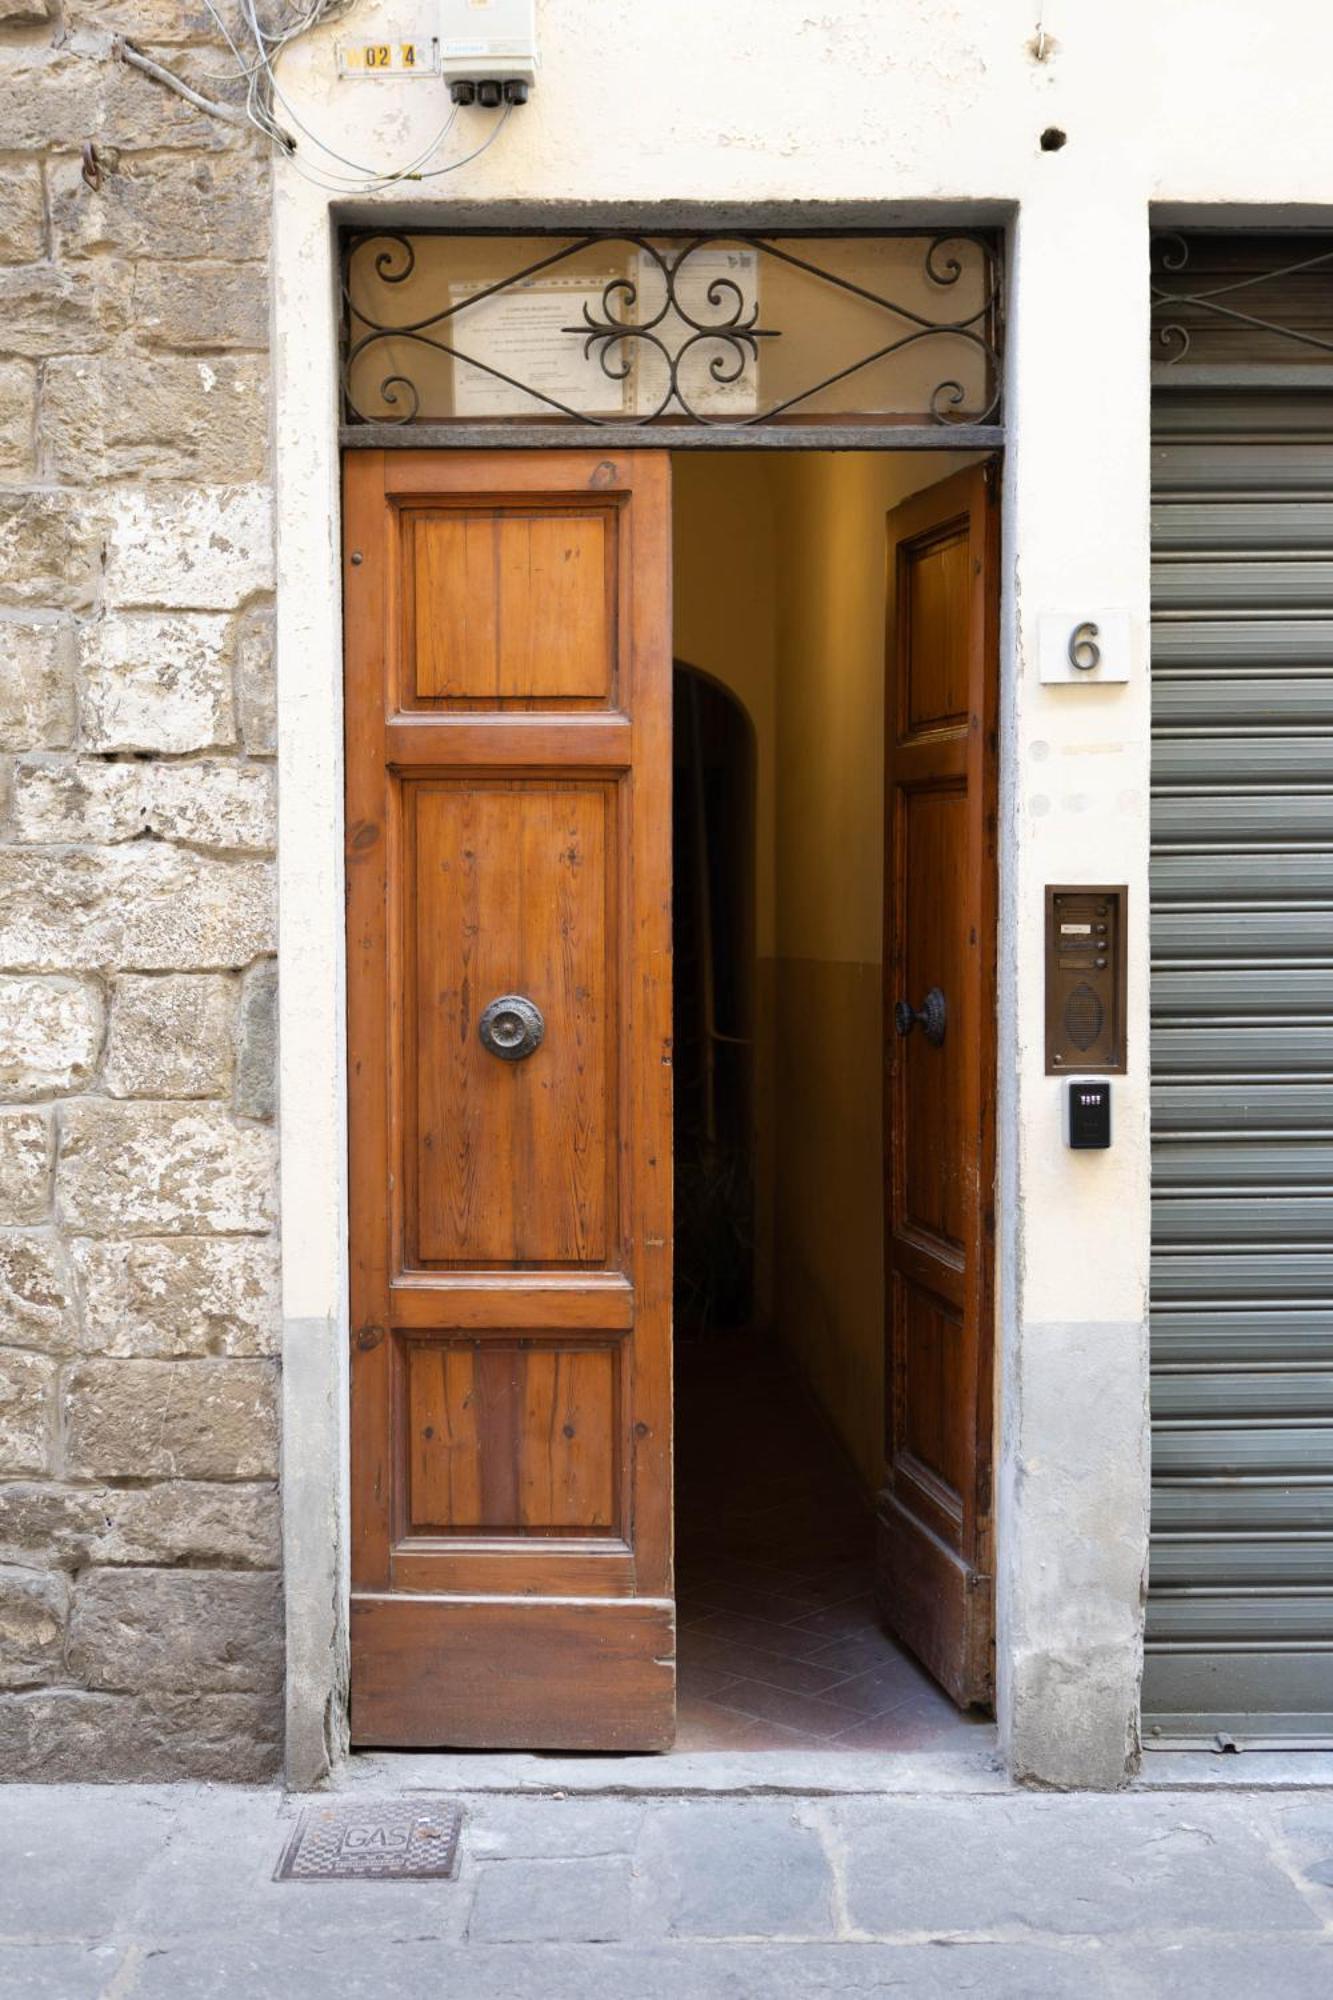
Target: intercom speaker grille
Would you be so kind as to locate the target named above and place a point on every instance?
(1084, 1017)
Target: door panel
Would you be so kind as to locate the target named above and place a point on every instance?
(510, 1218)
(510, 888)
(935, 1562)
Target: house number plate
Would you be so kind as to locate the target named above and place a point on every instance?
(1084, 645)
(362, 61)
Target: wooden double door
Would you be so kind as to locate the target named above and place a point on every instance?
(508, 702)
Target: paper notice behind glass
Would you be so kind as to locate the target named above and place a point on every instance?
(524, 333)
(733, 275)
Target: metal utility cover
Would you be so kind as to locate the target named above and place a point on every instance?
(375, 1840)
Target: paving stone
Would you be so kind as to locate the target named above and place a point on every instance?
(1071, 1865)
(551, 1829)
(71, 1872)
(58, 1971)
(733, 1870)
(585, 1900)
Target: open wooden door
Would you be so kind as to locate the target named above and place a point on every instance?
(509, 1020)
(935, 1581)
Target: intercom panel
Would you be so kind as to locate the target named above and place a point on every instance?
(1085, 980)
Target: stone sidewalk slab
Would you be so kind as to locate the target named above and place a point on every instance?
(168, 1894)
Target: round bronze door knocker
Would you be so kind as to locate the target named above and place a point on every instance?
(512, 1027)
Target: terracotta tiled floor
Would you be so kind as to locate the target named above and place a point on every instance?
(779, 1647)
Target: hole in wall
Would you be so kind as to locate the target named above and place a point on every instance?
(1052, 139)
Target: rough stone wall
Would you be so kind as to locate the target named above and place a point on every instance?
(140, 1610)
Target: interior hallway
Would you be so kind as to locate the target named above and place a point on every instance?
(778, 1643)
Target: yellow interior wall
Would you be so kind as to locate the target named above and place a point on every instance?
(779, 568)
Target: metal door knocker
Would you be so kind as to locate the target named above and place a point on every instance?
(932, 1016)
(512, 1027)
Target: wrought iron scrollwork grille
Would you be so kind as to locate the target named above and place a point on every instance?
(690, 332)
(1241, 296)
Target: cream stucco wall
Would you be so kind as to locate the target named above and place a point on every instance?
(873, 114)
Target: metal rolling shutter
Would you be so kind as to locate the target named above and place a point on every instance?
(1240, 1612)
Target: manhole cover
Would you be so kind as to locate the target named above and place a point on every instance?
(375, 1841)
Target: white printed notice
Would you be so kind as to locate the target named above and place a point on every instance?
(538, 335)
(523, 334)
(717, 377)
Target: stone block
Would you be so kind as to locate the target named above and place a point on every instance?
(25, 1166)
(37, 672)
(181, 1631)
(50, 309)
(156, 1169)
(119, 416)
(170, 1035)
(27, 1399)
(257, 684)
(257, 1043)
(50, 551)
(190, 1521)
(146, 907)
(22, 212)
(56, 97)
(50, 1035)
(47, 96)
(208, 306)
(69, 1736)
(193, 1295)
(37, 1304)
(212, 206)
(186, 1522)
(171, 1420)
(33, 1610)
(231, 807)
(157, 683)
(54, 1526)
(208, 549)
(18, 404)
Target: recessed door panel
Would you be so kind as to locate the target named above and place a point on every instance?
(512, 1437)
(510, 604)
(934, 583)
(510, 890)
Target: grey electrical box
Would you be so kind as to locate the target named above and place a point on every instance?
(488, 46)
